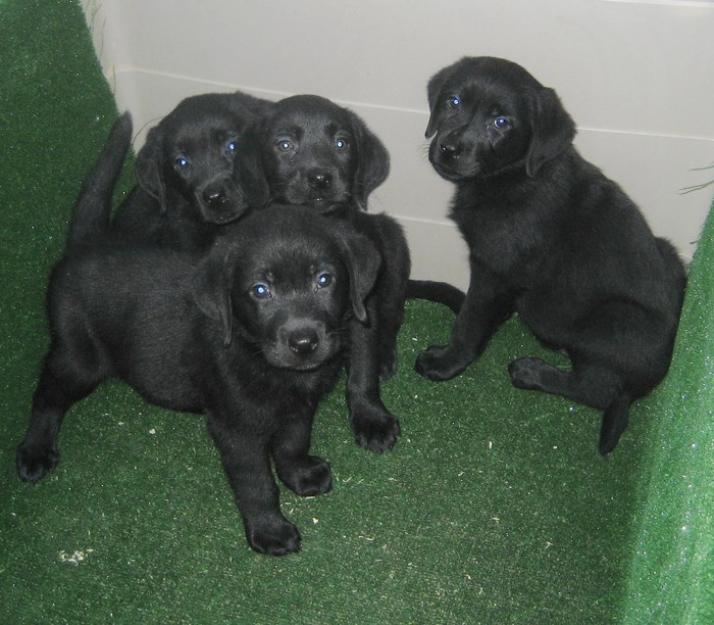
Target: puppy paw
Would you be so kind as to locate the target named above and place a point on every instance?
(376, 430)
(526, 373)
(309, 478)
(273, 536)
(33, 464)
(435, 363)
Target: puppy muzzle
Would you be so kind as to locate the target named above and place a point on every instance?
(221, 201)
(302, 345)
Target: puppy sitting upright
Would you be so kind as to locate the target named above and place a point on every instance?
(188, 183)
(250, 334)
(318, 154)
(550, 237)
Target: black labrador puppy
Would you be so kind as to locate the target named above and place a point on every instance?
(250, 333)
(188, 185)
(321, 155)
(551, 238)
(171, 207)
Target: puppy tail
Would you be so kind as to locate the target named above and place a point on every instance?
(93, 208)
(614, 423)
(439, 292)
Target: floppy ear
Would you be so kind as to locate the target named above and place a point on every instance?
(212, 290)
(362, 260)
(552, 130)
(148, 168)
(433, 91)
(373, 162)
(251, 175)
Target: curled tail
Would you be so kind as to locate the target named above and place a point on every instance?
(439, 292)
(92, 210)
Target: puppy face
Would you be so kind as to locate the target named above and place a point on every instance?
(489, 116)
(288, 283)
(198, 153)
(316, 153)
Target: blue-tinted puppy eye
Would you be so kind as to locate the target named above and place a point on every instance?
(340, 144)
(454, 101)
(182, 162)
(502, 122)
(232, 146)
(261, 291)
(323, 280)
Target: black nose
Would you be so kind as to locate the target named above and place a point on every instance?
(450, 150)
(303, 342)
(319, 180)
(214, 196)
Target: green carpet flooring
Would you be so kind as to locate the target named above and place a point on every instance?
(494, 508)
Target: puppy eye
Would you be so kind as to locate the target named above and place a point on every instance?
(232, 146)
(261, 291)
(341, 144)
(285, 145)
(502, 122)
(182, 162)
(454, 101)
(323, 280)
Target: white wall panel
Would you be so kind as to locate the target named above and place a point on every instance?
(637, 78)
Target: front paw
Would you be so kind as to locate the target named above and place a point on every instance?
(34, 464)
(272, 535)
(374, 428)
(437, 363)
(309, 478)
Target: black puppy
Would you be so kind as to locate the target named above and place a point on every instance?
(251, 335)
(188, 183)
(551, 238)
(318, 154)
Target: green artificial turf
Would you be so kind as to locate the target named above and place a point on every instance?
(494, 508)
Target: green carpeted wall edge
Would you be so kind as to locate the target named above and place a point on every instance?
(671, 577)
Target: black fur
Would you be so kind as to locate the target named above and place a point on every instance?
(93, 208)
(188, 181)
(251, 334)
(439, 292)
(551, 238)
(318, 154)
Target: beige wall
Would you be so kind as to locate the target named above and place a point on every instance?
(638, 77)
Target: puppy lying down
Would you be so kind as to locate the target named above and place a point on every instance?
(250, 334)
(551, 238)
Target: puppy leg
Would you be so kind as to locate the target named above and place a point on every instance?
(244, 454)
(62, 383)
(373, 425)
(593, 386)
(486, 307)
(302, 473)
(586, 384)
(391, 290)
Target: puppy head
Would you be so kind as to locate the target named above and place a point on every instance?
(488, 116)
(316, 153)
(285, 281)
(198, 154)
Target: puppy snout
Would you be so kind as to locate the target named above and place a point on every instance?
(303, 341)
(319, 180)
(450, 149)
(214, 195)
